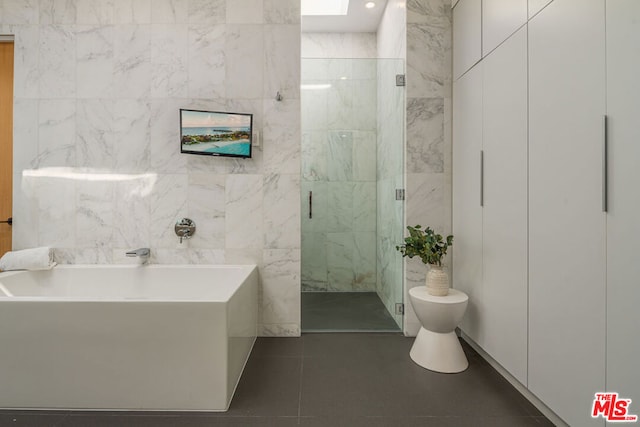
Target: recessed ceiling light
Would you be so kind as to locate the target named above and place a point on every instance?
(370, 5)
(324, 7)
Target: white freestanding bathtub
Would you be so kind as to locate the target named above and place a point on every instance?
(150, 337)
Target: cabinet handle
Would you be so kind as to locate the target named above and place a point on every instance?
(605, 172)
(481, 178)
(310, 204)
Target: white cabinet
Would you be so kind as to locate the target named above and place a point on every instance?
(467, 35)
(467, 212)
(504, 235)
(500, 19)
(566, 222)
(623, 225)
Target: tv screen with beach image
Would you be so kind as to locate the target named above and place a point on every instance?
(215, 133)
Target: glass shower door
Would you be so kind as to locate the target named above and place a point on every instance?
(344, 225)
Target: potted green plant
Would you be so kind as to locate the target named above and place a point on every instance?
(431, 248)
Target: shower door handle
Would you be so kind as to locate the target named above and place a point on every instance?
(310, 204)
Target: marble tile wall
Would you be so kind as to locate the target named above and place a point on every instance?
(339, 45)
(428, 137)
(97, 167)
(339, 130)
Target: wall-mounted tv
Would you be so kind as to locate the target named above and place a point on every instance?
(216, 133)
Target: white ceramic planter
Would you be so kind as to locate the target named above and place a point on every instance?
(437, 281)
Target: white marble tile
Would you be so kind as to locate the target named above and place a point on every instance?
(83, 256)
(425, 135)
(57, 62)
(391, 41)
(26, 78)
(25, 128)
(314, 155)
(281, 136)
(132, 219)
(170, 11)
(340, 206)
(280, 278)
(206, 256)
(315, 107)
(340, 252)
(206, 206)
(425, 201)
(20, 12)
(131, 140)
(314, 68)
(25, 212)
(282, 61)
(340, 100)
(314, 260)
(169, 61)
(243, 54)
(56, 133)
(364, 206)
(429, 59)
(56, 198)
(282, 11)
(132, 11)
(94, 214)
(180, 256)
(58, 12)
(339, 68)
(364, 45)
(366, 69)
(245, 11)
(364, 156)
(326, 45)
(364, 105)
(340, 156)
(95, 12)
(364, 261)
(95, 136)
(427, 11)
(95, 61)
(132, 61)
(281, 211)
(207, 76)
(244, 212)
(165, 136)
(243, 257)
(207, 11)
(279, 330)
(168, 204)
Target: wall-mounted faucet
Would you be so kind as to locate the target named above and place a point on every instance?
(185, 229)
(143, 253)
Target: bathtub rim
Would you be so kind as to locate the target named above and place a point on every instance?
(6, 296)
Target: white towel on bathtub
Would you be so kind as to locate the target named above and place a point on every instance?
(28, 259)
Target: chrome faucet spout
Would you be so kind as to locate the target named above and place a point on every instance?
(142, 252)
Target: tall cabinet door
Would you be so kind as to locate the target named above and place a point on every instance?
(623, 227)
(566, 221)
(467, 212)
(505, 204)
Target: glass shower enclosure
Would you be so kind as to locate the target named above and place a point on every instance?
(352, 165)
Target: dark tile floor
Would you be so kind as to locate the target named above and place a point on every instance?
(336, 380)
(345, 312)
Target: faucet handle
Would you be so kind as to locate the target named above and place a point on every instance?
(185, 228)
